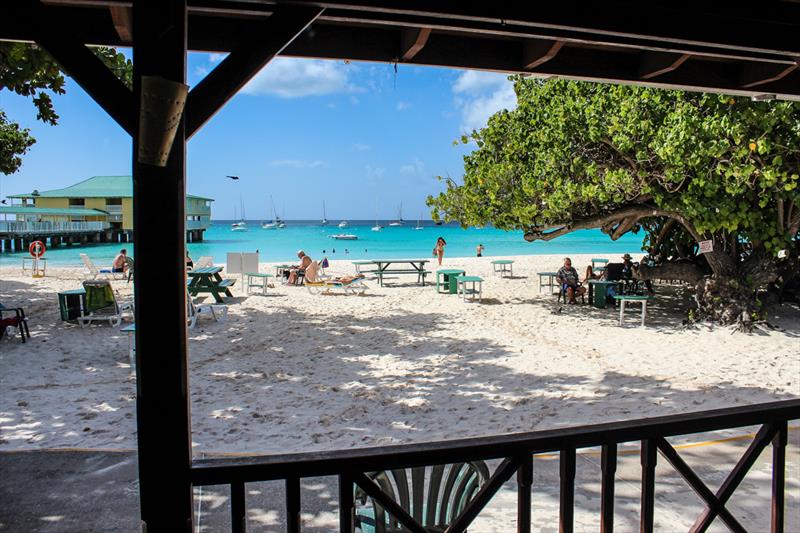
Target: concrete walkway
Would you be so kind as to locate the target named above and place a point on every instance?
(65, 491)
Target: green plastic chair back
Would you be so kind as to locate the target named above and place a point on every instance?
(433, 496)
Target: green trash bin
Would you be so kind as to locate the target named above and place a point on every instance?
(71, 303)
(601, 292)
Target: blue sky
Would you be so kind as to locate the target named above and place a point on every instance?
(353, 134)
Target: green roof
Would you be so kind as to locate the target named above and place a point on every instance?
(72, 211)
(96, 187)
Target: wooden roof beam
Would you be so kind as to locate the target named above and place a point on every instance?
(80, 63)
(537, 53)
(266, 40)
(754, 75)
(412, 42)
(122, 17)
(655, 64)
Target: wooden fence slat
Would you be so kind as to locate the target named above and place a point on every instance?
(293, 505)
(524, 483)
(779, 476)
(566, 514)
(346, 504)
(238, 522)
(649, 459)
(608, 466)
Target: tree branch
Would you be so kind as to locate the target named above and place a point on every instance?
(608, 221)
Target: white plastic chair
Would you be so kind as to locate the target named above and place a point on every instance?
(193, 311)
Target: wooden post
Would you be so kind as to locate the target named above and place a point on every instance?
(163, 416)
(524, 482)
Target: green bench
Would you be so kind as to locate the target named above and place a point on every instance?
(623, 298)
(503, 267)
(475, 288)
(256, 280)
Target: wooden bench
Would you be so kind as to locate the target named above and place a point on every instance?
(420, 274)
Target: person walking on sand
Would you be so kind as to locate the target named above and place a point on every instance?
(480, 250)
(438, 250)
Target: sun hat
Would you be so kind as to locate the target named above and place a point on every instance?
(626, 256)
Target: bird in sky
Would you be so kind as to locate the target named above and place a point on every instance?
(233, 177)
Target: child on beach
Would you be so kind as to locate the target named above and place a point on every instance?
(438, 250)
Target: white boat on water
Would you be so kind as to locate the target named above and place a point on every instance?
(345, 237)
(376, 227)
(399, 221)
(272, 224)
(241, 225)
(343, 224)
(419, 226)
(324, 218)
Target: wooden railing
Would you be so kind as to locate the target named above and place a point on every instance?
(516, 452)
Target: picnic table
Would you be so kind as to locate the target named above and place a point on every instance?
(503, 266)
(361, 264)
(415, 266)
(446, 277)
(551, 280)
(207, 279)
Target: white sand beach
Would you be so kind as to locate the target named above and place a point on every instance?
(293, 371)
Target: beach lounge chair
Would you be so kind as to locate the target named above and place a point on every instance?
(350, 285)
(102, 304)
(204, 261)
(433, 496)
(90, 271)
(194, 311)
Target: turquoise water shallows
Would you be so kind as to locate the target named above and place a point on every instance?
(391, 242)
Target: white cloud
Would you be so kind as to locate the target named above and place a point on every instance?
(415, 168)
(297, 163)
(200, 71)
(402, 106)
(361, 147)
(295, 78)
(216, 58)
(479, 95)
(374, 172)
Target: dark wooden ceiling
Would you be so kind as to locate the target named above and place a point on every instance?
(747, 49)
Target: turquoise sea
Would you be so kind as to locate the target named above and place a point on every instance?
(392, 242)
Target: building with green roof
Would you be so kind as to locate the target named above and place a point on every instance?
(101, 199)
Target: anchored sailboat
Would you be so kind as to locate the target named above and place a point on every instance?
(241, 225)
(419, 225)
(376, 227)
(271, 224)
(324, 218)
(399, 221)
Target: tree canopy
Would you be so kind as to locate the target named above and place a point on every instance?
(681, 167)
(30, 71)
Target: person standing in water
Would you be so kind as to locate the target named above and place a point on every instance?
(438, 250)
(480, 250)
